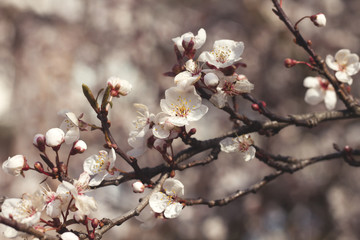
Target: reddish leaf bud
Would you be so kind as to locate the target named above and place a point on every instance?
(192, 131)
(39, 167)
(263, 103)
(255, 107)
(290, 62)
(95, 223)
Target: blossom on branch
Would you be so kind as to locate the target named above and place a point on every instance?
(319, 20)
(167, 201)
(190, 76)
(100, 165)
(225, 53)
(242, 144)
(320, 90)
(26, 210)
(118, 87)
(345, 64)
(54, 137)
(183, 105)
(188, 41)
(70, 126)
(229, 86)
(14, 165)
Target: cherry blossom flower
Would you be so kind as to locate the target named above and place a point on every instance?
(56, 202)
(14, 165)
(69, 236)
(119, 87)
(190, 76)
(54, 137)
(70, 126)
(26, 210)
(319, 90)
(167, 202)
(225, 53)
(138, 137)
(230, 86)
(100, 165)
(319, 20)
(240, 144)
(162, 127)
(84, 204)
(345, 64)
(183, 105)
(188, 40)
(138, 187)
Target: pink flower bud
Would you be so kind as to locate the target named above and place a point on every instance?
(39, 142)
(14, 165)
(319, 20)
(119, 87)
(138, 187)
(54, 137)
(79, 147)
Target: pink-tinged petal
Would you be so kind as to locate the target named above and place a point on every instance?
(311, 82)
(330, 99)
(314, 96)
(341, 56)
(173, 210)
(343, 77)
(158, 202)
(330, 61)
(173, 187)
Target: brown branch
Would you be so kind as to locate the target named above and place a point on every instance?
(240, 193)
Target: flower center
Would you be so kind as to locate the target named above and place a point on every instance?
(221, 53)
(181, 108)
(324, 84)
(228, 88)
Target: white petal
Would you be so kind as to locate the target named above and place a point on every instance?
(197, 113)
(343, 77)
(10, 232)
(228, 145)
(353, 69)
(330, 99)
(173, 210)
(311, 82)
(69, 236)
(219, 99)
(314, 96)
(200, 39)
(72, 135)
(249, 154)
(330, 61)
(341, 56)
(178, 121)
(173, 187)
(97, 179)
(158, 202)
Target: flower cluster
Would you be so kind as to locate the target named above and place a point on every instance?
(182, 103)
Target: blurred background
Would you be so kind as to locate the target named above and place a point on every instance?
(48, 49)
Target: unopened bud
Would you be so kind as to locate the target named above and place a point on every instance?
(255, 107)
(54, 137)
(263, 103)
(192, 131)
(78, 147)
(138, 187)
(290, 62)
(39, 167)
(211, 79)
(172, 173)
(39, 142)
(15, 165)
(319, 20)
(347, 149)
(95, 223)
(309, 42)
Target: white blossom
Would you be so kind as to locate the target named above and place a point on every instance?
(167, 201)
(14, 165)
(345, 64)
(183, 105)
(119, 86)
(162, 127)
(100, 165)
(242, 144)
(225, 53)
(187, 38)
(230, 86)
(70, 126)
(26, 210)
(138, 137)
(54, 137)
(319, 90)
